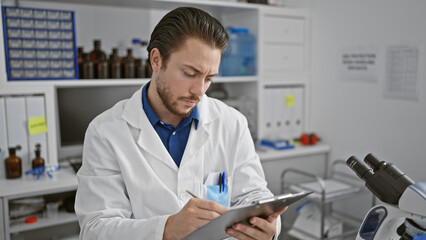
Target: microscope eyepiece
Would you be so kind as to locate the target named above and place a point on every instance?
(373, 162)
(384, 180)
(359, 168)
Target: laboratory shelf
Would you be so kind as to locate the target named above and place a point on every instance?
(116, 82)
(42, 222)
(62, 181)
(169, 4)
(338, 186)
(349, 232)
(269, 154)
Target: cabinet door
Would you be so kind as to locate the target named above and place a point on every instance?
(281, 58)
(284, 30)
(2, 232)
(3, 138)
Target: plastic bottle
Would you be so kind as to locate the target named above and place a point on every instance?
(240, 58)
(128, 65)
(122, 49)
(114, 64)
(137, 48)
(37, 161)
(13, 164)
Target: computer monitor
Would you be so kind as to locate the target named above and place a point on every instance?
(78, 106)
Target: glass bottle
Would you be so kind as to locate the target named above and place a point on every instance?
(97, 54)
(101, 70)
(146, 67)
(128, 65)
(13, 164)
(137, 48)
(80, 53)
(114, 64)
(37, 161)
(98, 58)
(139, 68)
(86, 67)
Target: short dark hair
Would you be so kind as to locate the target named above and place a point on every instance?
(182, 23)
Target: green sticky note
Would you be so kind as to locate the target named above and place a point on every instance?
(37, 125)
(289, 100)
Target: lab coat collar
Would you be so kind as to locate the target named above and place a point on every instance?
(149, 140)
(133, 112)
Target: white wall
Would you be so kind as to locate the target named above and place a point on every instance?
(353, 116)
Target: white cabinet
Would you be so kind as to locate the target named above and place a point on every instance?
(282, 46)
(286, 29)
(282, 37)
(62, 185)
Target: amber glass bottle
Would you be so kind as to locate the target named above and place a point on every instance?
(128, 65)
(146, 66)
(139, 68)
(13, 164)
(86, 67)
(98, 57)
(101, 70)
(114, 64)
(80, 53)
(37, 161)
(97, 54)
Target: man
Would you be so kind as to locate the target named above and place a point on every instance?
(142, 155)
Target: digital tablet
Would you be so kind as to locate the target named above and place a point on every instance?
(215, 229)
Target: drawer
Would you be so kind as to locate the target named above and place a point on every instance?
(283, 30)
(279, 58)
(15, 53)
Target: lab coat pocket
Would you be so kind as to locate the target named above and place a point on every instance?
(213, 191)
(220, 196)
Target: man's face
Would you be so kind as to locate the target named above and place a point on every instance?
(187, 76)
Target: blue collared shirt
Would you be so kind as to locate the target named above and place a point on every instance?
(174, 139)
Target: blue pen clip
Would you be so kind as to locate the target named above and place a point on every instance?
(219, 182)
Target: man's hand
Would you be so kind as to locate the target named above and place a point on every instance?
(193, 215)
(262, 229)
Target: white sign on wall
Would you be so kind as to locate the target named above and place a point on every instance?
(359, 63)
(402, 72)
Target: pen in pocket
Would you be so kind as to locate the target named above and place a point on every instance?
(219, 182)
(223, 181)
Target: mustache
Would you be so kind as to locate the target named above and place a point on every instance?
(191, 98)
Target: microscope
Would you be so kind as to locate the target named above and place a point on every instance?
(402, 216)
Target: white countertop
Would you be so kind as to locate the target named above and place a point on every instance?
(63, 180)
(66, 179)
(268, 154)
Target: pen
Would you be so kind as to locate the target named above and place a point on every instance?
(219, 182)
(223, 181)
(190, 193)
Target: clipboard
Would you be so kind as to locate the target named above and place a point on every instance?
(215, 229)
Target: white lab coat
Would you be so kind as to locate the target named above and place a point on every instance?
(129, 184)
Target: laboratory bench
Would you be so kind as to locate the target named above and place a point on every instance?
(64, 182)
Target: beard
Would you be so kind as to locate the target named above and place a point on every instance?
(167, 98)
